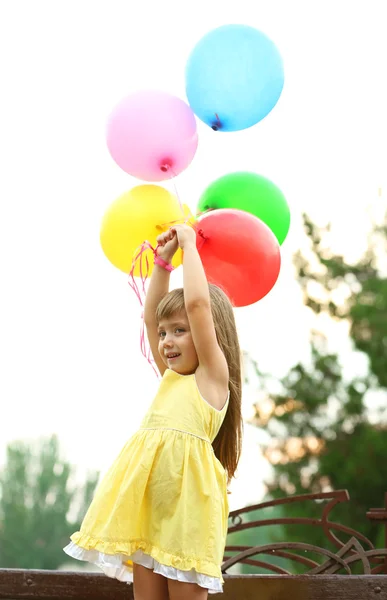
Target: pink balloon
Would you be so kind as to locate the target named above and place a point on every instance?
(152, 135)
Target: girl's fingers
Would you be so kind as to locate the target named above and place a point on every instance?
(165, 237)
(162, 237)
(169, 235)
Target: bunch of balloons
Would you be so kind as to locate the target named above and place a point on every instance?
(234, 78)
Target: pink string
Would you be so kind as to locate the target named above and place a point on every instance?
(140, 291)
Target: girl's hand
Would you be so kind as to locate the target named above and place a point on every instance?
(186, 235)
(167, 245)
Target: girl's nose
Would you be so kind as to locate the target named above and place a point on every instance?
(167, 341)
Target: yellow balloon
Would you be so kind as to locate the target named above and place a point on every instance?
(139, 215)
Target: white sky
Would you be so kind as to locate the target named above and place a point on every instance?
(69, 323)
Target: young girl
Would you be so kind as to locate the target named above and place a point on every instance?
(161, 512)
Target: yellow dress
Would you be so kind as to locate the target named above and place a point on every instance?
(163, 503)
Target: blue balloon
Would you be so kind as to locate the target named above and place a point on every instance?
(234, 77)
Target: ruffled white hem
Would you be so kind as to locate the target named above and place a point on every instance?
(113, 566)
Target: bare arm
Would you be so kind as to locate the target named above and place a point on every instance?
(158, 288)
(213, 369)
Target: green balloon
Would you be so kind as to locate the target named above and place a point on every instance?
(252, 193)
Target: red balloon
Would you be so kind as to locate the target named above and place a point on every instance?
(239, 253)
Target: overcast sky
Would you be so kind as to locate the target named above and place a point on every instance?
(69, 323)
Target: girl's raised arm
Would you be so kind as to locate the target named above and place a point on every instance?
(158, 288)
(198, 307)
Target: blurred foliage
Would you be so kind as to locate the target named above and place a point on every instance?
(329, 431)
(36, 500)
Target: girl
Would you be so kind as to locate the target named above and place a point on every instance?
(160, 514)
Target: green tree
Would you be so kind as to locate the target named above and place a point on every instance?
(36, 500)
(329, 431)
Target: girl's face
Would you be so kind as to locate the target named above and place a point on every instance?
(176, 346)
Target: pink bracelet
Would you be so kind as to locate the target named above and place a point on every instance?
(163, 263)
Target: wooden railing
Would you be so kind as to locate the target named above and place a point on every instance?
(57, 585)
(329, 578)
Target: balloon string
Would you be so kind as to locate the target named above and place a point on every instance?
(140, 291)
(177, 193)
(204, 212)
(186, 218)
(170, 223)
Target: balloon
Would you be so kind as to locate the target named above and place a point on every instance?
(139, 215)
(239, 253)
(234, 77)
(152, 135)
(252, 193)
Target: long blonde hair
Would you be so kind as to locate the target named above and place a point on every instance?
(228, 443)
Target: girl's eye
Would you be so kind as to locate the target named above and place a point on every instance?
(161, 334)
(179, 330)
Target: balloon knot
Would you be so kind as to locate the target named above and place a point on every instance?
(166, 165)
(217, 124)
